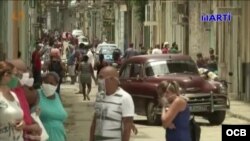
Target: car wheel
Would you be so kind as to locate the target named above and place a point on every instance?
(152, 117)
(217, 117)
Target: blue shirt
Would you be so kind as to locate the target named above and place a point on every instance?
(182, 130)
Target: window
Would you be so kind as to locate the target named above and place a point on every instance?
(135, 70)
(154, 6)
(126, 71)
(157, 68)
(147, 15)
(181, 66)
(107, 50)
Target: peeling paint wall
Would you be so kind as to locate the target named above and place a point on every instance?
(136, 29)
(199, 37)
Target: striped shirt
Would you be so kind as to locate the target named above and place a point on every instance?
(109, 111)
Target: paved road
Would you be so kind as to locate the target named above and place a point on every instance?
(81, 112)
(157, 133)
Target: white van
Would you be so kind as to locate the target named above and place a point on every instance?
(104, 44)
(77, 32)
(83, 39)
(107, 50)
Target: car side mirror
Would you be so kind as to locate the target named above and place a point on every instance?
(230, 73)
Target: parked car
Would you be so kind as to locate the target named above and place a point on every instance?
(141, 74)
(107, 50)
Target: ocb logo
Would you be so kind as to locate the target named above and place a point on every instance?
(18, 15)
(236, 132)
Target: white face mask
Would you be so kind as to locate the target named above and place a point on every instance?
(48, 89)
(101, 85)
(26, 80)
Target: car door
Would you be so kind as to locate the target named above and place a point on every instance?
(136, 78)
(125, 81)
(138, 87)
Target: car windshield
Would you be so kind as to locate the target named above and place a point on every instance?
(99, 48)
(107, 50)
(84, 39)
(170, 66)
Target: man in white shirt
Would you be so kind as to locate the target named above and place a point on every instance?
(91, 57)
(157, 50)
(114, 109)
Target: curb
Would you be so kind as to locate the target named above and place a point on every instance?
(238, 116)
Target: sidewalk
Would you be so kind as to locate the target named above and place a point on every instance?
(80, 112)
(240, 110)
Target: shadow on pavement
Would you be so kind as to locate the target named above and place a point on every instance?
(143, 122)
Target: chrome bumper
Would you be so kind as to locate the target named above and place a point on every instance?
(204, 103)
(207, 102)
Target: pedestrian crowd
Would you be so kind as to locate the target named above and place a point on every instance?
(163, 49)
(208, 66)
(30, 103)
(27, 113)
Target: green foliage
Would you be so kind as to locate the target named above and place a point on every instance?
(140, 8)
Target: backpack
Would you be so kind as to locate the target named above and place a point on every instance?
(195, 130)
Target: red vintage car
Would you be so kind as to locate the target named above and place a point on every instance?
(141, 74)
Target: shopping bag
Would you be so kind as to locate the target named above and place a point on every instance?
(195, 130)
(44, 135)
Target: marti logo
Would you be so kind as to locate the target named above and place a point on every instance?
(219, 17)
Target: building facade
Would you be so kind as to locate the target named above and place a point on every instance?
(15, 29)
(164, 23)
(229, 39)
(120, 10)
(180, 22)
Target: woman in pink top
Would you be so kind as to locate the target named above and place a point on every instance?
(30, 128)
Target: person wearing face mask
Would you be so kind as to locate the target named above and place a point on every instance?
(11, 114)
(26, 80)
(52, 112)
(114, 107)
(14, 81)
(175, 118)
(30, 128)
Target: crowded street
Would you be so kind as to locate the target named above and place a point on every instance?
(124, 70)
(81, 114)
